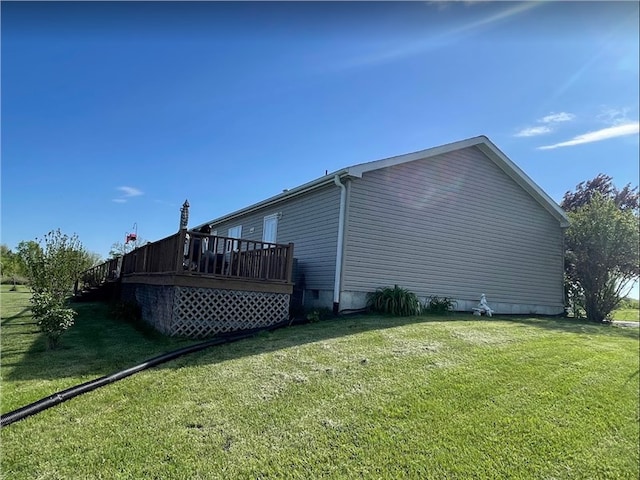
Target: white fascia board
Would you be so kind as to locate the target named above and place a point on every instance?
(358, 170)
(503, 162)
(294, 192)
(487, 147)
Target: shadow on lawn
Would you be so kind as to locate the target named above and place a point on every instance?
(98, 345)
(9, 321)
(94, 346)
(573, 325)
(299, 335)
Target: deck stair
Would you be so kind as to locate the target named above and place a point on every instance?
(104, 292)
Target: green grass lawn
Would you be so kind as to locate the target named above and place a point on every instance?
(627, 314)
(360, 397)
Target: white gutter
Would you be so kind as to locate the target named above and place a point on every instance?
(341, 221)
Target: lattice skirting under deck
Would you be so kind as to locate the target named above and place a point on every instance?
(202, 312)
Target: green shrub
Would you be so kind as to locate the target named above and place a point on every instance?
(52, 316)
(439, 305)
(55, 322)
(395, 301)
(53, 263)
(41, 303)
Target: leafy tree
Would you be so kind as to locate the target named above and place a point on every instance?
(7, 260)
(625, 199)
(52, 265)
(91, 259)
(10, 264)
(602, 257)
(28, 252)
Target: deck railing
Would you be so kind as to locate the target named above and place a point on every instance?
(199, 254)
(104, 272)
(156, 257)
(236, 257)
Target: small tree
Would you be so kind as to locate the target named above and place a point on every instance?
(118, 249)
(627, 200)
(52, 265)
(10, 265)
(602, 255)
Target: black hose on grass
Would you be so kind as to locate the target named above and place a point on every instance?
(69, 393)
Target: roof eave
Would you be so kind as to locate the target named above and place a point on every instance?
(356, 171)
(285, 195)
(487, 147)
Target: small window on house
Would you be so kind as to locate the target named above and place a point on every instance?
(315, 294)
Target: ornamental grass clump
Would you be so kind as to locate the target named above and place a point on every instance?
(395, 301)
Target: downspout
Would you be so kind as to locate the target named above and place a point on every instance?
(341, 221)
(565, 299)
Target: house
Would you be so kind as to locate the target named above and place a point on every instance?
(457, 220)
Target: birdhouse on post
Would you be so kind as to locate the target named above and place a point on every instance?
(184, 215)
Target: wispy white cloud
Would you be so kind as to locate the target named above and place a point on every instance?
(127, 193)
(130, 191)
(557, 117)
(613, 116)
(533, 131)
(632, 128)
(545, 124)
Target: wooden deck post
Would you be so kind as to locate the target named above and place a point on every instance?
(180, 249)
(289, 267)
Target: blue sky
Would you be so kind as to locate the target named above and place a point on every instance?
(114, 113)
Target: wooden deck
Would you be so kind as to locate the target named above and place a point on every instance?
(198, 285)
(201, 260)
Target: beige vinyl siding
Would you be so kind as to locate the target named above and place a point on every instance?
(453, 225)
(310, 222)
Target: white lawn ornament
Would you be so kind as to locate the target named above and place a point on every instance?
(483, 307)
